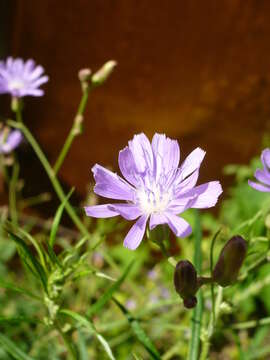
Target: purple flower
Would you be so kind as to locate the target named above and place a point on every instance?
(9, 140)
(19, 78)
(155, 188)
(262, 175)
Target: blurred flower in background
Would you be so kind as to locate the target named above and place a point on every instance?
(19, 78)
(9, 140)
(262, 175)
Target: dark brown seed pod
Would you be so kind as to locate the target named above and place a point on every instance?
(230, 261)
(185, 282)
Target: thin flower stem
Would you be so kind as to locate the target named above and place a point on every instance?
(211, 270)
(57, 187)
(74, 131)
(194, 344)
(16, 106)
(211, 326)
(3, 169)
(13, 192)
(164, 250)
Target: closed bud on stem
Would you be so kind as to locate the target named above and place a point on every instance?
(185, 282)
(103, 73)
(230, 261)
(84, 74)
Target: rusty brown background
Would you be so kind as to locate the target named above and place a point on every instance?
(197, 70)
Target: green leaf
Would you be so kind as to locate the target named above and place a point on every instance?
(91, 328)
(102, 301)
(8, 285)
(11, 348)
(18, 320)
(9, 228)
(57, 218)
(29, 259)
(139, 332)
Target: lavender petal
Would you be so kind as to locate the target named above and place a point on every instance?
(127, 165)
(127, 211)
(192, 162)
(110, 185)
(259, 187)
(100, 211)
(206, 195)
(136, 233)
(178, 225)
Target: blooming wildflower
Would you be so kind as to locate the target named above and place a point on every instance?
(262, 175)
(19, 78)
(9, 140)
(155, 188)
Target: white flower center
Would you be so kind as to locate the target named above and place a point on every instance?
(154, 200)
(16, 85)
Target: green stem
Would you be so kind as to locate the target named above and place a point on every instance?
(57, 187)
(194, 344)
(211, 326)
(211, 270)
(12, 193)
(74, 131)
(3, 169)
(164, 250)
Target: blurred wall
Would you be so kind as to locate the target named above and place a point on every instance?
(197, 70)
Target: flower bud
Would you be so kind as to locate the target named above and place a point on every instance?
(230, 260)
(185, 282)
(103, 73)
(84, 74)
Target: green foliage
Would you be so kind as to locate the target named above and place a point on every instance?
(77, 293)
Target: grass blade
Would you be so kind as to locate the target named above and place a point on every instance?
(139, 332)
(29, 259)
(8, 285)
(91, 328)
(11, 348)
(102, 301)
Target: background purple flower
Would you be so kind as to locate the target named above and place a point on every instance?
(19, 78)
(262, 175)
(155, 188)
(9, 141)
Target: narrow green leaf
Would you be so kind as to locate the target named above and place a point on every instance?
(82, 348)
(11, 348)
(29, 259)
(18, 320)
(53, 257)
(137, 357)
(102, 301)
(57, 218)
(91, 328)
(10, 228)
(8, 285)
(139, 332)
